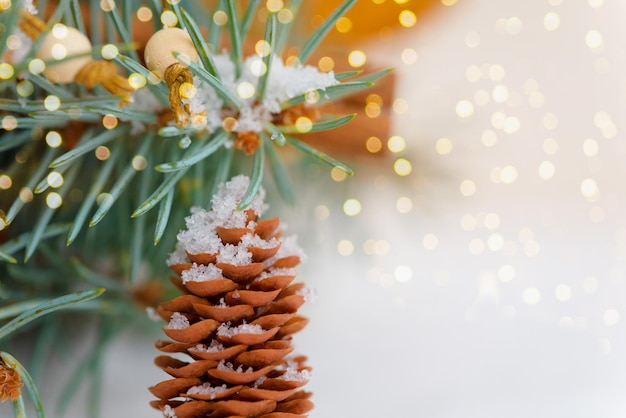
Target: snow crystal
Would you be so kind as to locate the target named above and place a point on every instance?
(251, 240)
(213, 347)
(225, 330)
(286, 81)
(168, 412)
(201, 273)
(227, 198)
(178, 321)
(222, 304)
(276, 272)
(206, 389)
(223, 365)
(309, 294)
(296, 375)
(259, 381)
(290, 247)
(234, 254)
(200, 235)
(152, 314)
(179, 255)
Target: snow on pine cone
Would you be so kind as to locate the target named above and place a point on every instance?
(236, 318)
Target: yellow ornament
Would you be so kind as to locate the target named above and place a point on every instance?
(61, 42)
(159, 52)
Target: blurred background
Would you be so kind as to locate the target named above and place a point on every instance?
(475, 264)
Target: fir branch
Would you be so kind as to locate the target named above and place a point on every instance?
(319, 126)
(201, 45)
(319, 155)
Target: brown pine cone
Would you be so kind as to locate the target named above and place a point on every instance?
(236, 318)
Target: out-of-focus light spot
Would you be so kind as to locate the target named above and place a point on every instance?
(36, 66)
(144, 14)
(169, 19)
(590, 147)
(508, 174)
(373, 144)
(500, 93)
(464, 109)
(139, 162)
(467, 188)
(285, 16)
(513, 25)
(444, 146)
(274, 6)
(338, 174)
(602, 119)
(550, 121)
(495, 242)
(107, 5)
(472, 39)
(52, 103)
(5, 182)
(531, 296)
(489, 138)
(491, 221)
(230, 124)
(345, 247)
(563, 293)
(304, 124)
(245, 90)
(102, 153)
(109, 51)
(25, 88)
(550, 146)
(588, 188)
(373, 110)
(476, 246)
(396, 144)
(525, 234)
(187, 90)
(343, 25)
(326, 64)
(6, 71)
(26, 194)
(468, 222)
(137, 80)
(352, 207)
(312, 96)
(357, 58)
(403, 273)
(54, 179)
(54, 200)
(400, 106)
(9, 123)
(430, 241)
(481, 97)
(511, 125)
(546, 170)
(220, 18)
(448, 3)
(402, 167)
(506, 273)
(590, 285)
(594, 40)
(610, 317)
(322, 212)
(496, 72)
(404, 205)
(262, 48)
(498, 119)
(595, 4)
(473, 74)
(407, 18)
(551, 21)
(109, 122)
(408, 56)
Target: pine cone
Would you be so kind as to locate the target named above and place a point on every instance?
(236, 318)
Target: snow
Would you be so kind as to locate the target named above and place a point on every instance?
(226, 330)
(201, 273)
(223, 365)
(283, 82)
(290, 247)
(177, 321)
(179, 256)
(295, 375)
(251, 240)
(206, 389)
(168, 412)
(276, 272)
(235, 254)
(213, 347)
